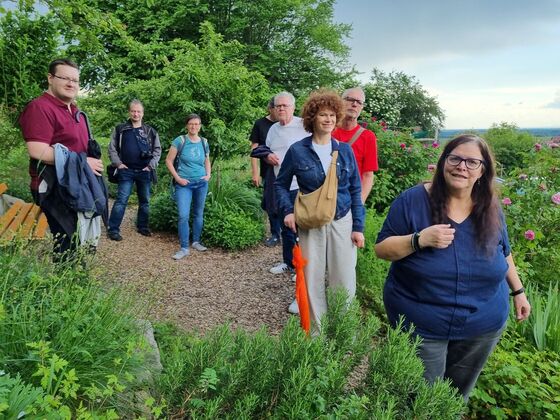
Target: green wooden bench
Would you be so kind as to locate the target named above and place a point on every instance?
(20, 219)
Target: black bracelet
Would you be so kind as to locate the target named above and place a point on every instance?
(517, 292)
(413, 242)
(417, 241)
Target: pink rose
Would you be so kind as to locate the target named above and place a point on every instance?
(556, 198)
(523, 177)
(506, 201)
(538, 146)
(435, 145)
(431, 167)
(403, 146)
(530, 235)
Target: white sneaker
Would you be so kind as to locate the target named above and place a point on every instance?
(280, 268)
(293, 308)
(199, 247)
(183, 252)
(293, 277)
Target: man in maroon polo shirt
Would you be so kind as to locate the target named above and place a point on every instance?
(46, 121)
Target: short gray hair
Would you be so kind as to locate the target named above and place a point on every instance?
(286, 94)
(135, 102)
(347, 91)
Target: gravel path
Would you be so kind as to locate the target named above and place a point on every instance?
(202, 290)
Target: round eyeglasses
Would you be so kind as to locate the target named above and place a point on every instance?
(470, 163)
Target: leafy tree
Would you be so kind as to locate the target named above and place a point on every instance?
(401, 101)
(27, 42)
(200, 79)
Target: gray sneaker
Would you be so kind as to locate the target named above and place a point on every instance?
(183, 252)
(199, 247)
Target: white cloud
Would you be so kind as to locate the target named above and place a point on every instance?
(555, 104)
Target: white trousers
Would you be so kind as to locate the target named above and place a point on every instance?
(328, 250)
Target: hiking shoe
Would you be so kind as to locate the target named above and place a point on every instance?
(293, 308)
(272, 241)
(199, 247)
(183, 252)
(114, 236)
(145, 232)
(280, 268)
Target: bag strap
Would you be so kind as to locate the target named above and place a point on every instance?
(356, 135)
(331, 177)
(178, 158)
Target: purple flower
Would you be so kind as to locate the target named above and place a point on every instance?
(431, 167)
(556, 198)
(435, 144)
(506, 201)
(529, 235)
(374, 119)
(523, 177)
(538, 146)
(553, 145)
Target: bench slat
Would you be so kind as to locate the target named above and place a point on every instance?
(6, 218)
(29, 222)
(3, 188)
(41, 227)
(16, 223)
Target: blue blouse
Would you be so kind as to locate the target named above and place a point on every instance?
(448, 294)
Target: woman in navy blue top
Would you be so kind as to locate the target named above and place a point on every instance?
(452, 265)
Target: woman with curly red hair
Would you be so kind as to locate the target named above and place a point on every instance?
(333, 245)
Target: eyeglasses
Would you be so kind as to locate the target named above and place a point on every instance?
(354, 100)
(279, 106)
(67, 79)
(470, 163)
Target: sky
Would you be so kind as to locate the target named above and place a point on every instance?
(485, 61)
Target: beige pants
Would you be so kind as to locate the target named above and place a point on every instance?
(328, 250)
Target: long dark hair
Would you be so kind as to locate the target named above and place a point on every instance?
(485, 213)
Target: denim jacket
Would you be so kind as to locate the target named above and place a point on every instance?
(302, 161)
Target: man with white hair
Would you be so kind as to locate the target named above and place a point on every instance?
(280, 137)
(362, 140)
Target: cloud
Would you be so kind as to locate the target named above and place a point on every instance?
(555, 104)
(394, 31)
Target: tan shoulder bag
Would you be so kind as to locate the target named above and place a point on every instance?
(318, 208)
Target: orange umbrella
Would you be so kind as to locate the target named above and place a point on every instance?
(301, 289)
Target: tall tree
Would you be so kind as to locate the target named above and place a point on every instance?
(402, 102)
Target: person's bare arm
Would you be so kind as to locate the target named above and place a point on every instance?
(367, 184)
(44, 153)
(520, 301)
(255, 168)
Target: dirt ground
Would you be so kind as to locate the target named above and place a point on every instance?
(203, 290)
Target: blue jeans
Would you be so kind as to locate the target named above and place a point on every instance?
(461, 361)
(193, 193)
(288, 237)
(127, 178)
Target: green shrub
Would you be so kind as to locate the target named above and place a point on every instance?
(230, 228)
(509, 145)
(371, 271)
(403, 162)
(518, 382)
(234, 375)
(10, 136)
(163, 212)
(542, 328)
(532, 211)
(62, 332)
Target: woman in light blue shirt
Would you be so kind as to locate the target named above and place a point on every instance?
(191, 173)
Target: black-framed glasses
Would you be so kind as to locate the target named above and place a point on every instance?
(353, 100)
(67, 79)
(470, 163)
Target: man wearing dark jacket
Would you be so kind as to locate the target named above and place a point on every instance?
(134, 150)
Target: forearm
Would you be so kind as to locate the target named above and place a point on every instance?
(255, 167)
(512, 276)
(42, 152)
(367, 184)
(207, 167)
(394, 248)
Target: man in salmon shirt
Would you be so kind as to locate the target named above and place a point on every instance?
(363, 141)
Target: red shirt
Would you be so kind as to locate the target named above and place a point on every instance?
(365, 148)
(46, 119)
